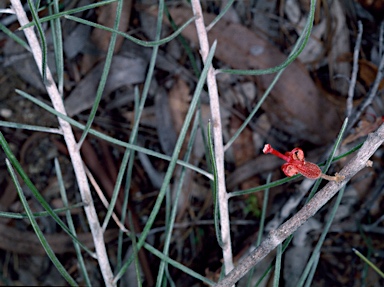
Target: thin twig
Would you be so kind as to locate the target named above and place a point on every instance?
(371, 94)
(276, 237)
(381, 41)
(70, 141)
(103, 199)
(352, 84)
(217, 137)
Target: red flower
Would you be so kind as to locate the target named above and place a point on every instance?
(295, 163)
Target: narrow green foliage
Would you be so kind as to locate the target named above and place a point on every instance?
(261, 227)
(116, 188)
(175, 155)
(141, 106)
(263, 212)
(127, 187)
(172, 217)
(58, 46)
(11, 157)
(68, 12)
(37, 230)
(215, 195)
(108, 138)
(298, 48)
(30, 127)
(330, 158)
(311, 274)
(15, 38)
(177, 265)
(370, 263)
(222, 13)
(127, 163)
(184, 43)
(135, 249)
(156, 43)
(14, 215)
(276, 278)
(71, 225)
(138, 114)
(40, 31)
(254, 110)
(315, 253)
(104, 75)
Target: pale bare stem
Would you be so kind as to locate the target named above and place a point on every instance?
(103, 199)
(71, 145)
(337, 177)
(217, 137)
(276, 237)
(371, 94)
(352, 84)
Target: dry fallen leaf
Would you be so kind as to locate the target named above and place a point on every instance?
(368, 72)
(76, 40)
(375, 6)
(106, 17)
(243, 151)
(124, 71)
(179, 99)
(295, 105)
(364, 127)
(164, 124)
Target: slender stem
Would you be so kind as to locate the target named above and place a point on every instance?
(218, 139)
(70, 141)
(351, 91)
(336, 177)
